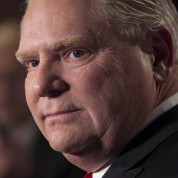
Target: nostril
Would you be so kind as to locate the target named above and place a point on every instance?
(54, 93)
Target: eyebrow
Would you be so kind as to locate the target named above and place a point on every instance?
(75, 42)
(91, 40)
(20, 55)
(61, 45)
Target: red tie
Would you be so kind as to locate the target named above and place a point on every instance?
(89, 175)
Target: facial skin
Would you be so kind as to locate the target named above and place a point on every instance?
(88, 91)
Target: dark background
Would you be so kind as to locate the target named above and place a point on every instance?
(11, 8)
(176, 3)
(15, 8)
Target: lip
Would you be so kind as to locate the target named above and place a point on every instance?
(62, 116)
(60, 113)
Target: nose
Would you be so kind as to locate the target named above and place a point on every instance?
(48, 83)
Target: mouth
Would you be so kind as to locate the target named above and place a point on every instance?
(62, 116)
(61, 113)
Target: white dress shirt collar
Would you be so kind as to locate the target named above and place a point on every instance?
(162, 108)
(100, 174)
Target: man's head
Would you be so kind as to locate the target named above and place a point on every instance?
(94, 75)
(13, 109)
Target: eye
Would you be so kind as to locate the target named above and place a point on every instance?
(77, 54)
(33, 63)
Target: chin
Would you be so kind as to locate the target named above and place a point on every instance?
(65, 147)
(62, 143)
(69, 142)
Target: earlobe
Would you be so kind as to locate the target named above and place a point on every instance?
(162, 52)
(161, 73)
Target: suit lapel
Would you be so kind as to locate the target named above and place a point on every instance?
(123, 174)
(133, 172)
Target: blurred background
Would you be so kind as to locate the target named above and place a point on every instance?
(11, 8)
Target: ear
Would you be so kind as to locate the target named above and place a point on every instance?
(162, 50)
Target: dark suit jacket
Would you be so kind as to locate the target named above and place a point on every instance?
(153, 153)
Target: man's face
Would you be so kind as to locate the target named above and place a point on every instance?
(84, 86)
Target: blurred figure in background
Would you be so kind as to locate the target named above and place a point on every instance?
(12, 101)
(13, 111)
(24, 153)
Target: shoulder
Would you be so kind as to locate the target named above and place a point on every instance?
(163, 161)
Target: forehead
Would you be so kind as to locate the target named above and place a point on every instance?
(60, 4)
(57, 7)
(57, 11)
(57, 18)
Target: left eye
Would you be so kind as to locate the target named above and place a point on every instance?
(77, 54)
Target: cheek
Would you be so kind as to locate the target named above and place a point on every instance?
(97, 90)
(113, 93)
